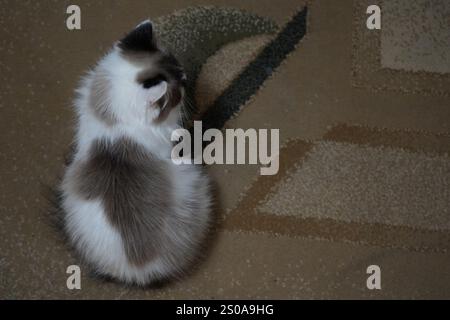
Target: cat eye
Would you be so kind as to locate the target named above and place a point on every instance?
(153, 81)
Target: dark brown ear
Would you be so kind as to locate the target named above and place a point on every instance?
(168, 101)
(140, 39)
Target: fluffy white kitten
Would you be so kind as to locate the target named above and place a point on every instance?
(130, 211)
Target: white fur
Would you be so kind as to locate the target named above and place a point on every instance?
(85, 221)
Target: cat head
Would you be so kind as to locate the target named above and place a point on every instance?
(138, 80)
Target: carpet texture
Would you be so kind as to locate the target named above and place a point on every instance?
(415, 36)
(364, 119)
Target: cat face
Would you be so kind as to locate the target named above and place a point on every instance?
(138, 80)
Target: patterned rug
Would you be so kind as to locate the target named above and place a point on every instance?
(364, 174)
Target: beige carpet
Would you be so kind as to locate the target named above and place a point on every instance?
(364, 119)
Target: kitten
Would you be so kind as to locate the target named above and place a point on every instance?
(130, 211)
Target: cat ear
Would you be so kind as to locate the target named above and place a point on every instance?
(154, 94)
(140, 39)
